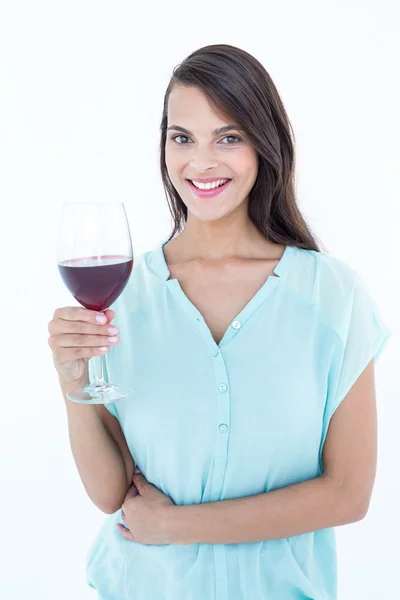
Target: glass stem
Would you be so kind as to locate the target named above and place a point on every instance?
(98, 371)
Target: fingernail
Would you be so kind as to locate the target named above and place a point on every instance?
(113, 339)
(113, 330)
(101, 319)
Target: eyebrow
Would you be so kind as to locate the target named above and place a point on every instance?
(215, 132)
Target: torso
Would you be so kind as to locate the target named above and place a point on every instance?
(220, 292)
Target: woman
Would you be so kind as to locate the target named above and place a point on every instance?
(251, 354)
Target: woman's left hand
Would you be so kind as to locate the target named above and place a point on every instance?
(144, 513)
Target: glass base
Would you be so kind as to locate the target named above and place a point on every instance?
(92, 394)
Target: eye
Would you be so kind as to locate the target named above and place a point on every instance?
(175, 137)
(235, 137)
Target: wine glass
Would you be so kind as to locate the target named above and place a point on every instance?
(95, 260)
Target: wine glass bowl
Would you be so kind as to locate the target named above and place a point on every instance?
(97, 281)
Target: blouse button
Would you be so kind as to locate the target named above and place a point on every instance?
(215, 352)
(236, 325)
(223, 428)
(222, 387)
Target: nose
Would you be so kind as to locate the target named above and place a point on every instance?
(203, 159)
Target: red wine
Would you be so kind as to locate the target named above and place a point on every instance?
(96, 282)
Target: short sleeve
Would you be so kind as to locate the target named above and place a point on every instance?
(366, 336)
(111, 405)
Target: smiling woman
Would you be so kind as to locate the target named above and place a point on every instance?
(204, 103)
(251, 355)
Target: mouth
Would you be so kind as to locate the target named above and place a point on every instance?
(204, 193)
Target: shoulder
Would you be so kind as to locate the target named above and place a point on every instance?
(332, 273)
(325, 281)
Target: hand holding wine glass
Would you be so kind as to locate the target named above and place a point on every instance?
(76, 336)
(95, 260)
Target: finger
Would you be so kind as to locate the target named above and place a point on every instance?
(132, 492)
(69, 354)
(110, 314)
(124, 531)
(60, 326)
(78, 313)
(140, 482)
(77, 340)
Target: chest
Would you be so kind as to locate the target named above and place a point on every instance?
(221, 293)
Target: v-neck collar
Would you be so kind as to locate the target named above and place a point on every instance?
(160, 268)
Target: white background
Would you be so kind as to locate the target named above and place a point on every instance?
(81, 90)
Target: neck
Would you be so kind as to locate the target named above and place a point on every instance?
(216, 242)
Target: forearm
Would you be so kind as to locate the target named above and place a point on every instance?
(286, 512)
(96, 454)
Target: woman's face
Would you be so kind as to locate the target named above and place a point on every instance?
(201, 153)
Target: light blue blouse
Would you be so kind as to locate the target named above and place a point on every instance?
(211, 421)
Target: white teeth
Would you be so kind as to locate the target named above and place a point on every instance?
(209, 186)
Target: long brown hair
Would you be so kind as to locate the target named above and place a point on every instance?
(239, 86)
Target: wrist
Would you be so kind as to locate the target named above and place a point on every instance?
(68, 385)
(170, 518)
